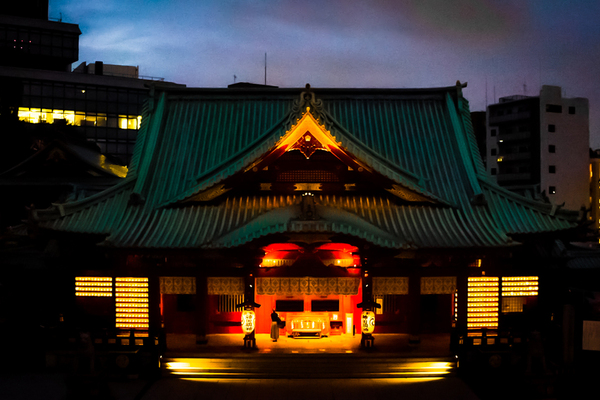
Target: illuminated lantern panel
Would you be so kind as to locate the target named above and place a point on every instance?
(455, 306)
(368, 321)
(248, 321)
(482, 302)
(519, 286)
(93, 286)
(131, 303)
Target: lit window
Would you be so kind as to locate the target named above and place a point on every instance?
(129, 122)
(482, 302)
(123, 121)
(79, 118)
(131, 303)
(517, 292)
(93, 286)
(70, 117)
(552, 189)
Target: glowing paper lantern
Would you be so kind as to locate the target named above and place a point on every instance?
(248, 321)
(368, 321)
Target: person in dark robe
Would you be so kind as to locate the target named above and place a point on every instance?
(275, 326)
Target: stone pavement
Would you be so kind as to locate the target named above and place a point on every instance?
(432, 345)
(50, 386)
(313, 389)
(61, 386)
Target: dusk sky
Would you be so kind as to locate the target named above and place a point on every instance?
(499, 47)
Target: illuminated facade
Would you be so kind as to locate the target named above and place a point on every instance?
(339, 208)
(38, 86)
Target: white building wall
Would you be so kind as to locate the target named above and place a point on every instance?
(571, 141)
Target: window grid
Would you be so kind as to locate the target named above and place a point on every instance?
(227, 302)
(109, 116)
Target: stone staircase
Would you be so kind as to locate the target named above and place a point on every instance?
(310, 366)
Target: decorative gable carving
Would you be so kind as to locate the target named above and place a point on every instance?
(307, 145)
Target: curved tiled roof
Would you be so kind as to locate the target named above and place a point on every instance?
(193, 139)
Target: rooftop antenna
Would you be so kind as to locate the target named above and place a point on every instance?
(540, 71)
(486, 93)
(234, 78)
(525, 89)
(265, 69)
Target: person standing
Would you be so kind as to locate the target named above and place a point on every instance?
(275, 326)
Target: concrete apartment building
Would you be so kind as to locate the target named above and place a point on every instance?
(539, 145)
(38, 84)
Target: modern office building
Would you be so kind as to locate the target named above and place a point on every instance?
(37, 85)
(539, 145)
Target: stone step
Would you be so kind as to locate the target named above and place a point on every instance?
(307, 366)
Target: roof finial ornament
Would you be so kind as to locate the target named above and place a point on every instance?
(300, 107)
(459, 88)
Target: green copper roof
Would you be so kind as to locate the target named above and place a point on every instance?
(194, 139)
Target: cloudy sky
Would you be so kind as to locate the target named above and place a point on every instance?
(500, 47)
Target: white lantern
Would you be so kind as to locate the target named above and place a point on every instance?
(368, 321)
(248, 321)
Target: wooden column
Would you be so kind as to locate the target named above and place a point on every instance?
(414, 313)
(459, 332)
(155, 326)
(201, 309)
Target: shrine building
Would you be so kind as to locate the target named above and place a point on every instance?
(348, 211)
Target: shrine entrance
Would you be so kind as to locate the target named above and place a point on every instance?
(325, 307)
(314, 290)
